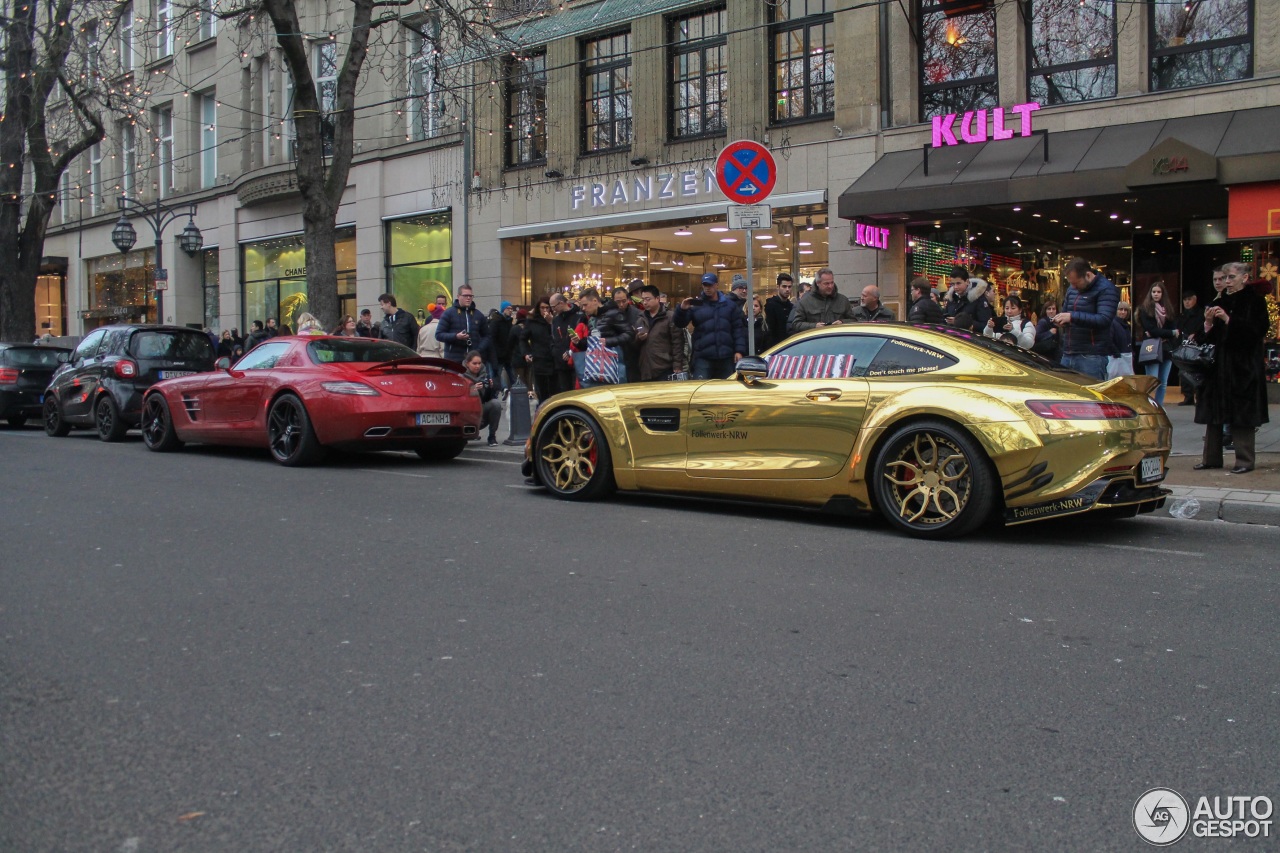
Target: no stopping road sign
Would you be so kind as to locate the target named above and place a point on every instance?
(746, 172)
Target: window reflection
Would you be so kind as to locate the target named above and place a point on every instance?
(1072, 51)
(1200, 42)
(804, 60)
(957, 60)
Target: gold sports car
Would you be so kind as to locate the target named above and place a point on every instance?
(934, 428)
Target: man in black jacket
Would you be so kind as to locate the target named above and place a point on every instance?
(397, 324)
(566, 317)
(256, 335)
(966, 306)
(777, 308)
(923, 308)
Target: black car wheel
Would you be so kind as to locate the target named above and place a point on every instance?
(931, 480)
(572, 456)
(289, 434)
(107, 420)
(54, 425)
(158, 433)
(441, 451)
(16, 421)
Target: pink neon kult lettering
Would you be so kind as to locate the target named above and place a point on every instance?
(974, 128)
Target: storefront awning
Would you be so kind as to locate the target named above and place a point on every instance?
(1088, 162)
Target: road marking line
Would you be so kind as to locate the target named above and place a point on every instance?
(396, 473)
(1154, 550)
(490, 461)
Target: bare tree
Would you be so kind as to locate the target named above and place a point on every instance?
(460, 32)
(54, 110)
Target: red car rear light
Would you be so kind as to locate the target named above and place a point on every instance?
(125, 369)
(1080, 411)
(8, 375)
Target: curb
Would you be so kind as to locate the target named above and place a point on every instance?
(1237, 506)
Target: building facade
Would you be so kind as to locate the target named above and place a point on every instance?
(907, 137)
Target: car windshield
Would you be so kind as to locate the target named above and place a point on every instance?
(31, 357)
(183, 346)
(1013, 352)
(357, 350)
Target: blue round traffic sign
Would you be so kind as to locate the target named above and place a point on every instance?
(746, 172)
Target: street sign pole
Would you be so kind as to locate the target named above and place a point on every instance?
(751, 289)
(746, 174)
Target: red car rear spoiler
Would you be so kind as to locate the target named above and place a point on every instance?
(418, 361)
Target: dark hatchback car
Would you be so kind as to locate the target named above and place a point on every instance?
(25, 371)
(102, 384)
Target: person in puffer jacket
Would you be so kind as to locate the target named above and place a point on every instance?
(1085, 320)
(719, 330)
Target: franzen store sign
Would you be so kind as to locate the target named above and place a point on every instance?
(977, 126)
(690, 183)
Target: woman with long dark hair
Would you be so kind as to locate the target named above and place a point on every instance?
(1156, 319)
(534, 348)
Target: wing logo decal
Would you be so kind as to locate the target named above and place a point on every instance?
(720, 418)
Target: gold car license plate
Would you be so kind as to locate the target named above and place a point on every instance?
(1150, 470)
(433, 419)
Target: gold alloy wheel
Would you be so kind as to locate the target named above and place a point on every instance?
(570, 454)
(930, 480)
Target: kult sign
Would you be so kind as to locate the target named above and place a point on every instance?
(871, 236)
(973, 125)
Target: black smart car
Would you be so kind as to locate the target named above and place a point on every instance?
(25, 370)
(102, 384)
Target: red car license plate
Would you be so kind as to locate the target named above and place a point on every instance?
(433, 419)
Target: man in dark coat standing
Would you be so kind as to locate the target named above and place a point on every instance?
(719, 330)
(397, 324)
(777, 308)
(923, 308)
(565, 317)
(822, 306)
(463, 327)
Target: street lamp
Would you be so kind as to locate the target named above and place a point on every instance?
(158, 216)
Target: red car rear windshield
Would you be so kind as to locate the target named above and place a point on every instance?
(357, 350)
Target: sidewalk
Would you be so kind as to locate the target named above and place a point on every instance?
(1252, 498)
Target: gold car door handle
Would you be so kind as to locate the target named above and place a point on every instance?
(824, 395)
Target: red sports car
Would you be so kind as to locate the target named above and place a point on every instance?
(296, 396)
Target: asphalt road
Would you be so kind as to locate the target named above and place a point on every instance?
(207, 652)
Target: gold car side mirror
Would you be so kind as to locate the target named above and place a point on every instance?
(752, 368)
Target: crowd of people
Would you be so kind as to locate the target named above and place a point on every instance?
(633, 334)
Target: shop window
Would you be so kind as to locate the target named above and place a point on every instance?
(420, 260)
(423, 107)
(699, 80)
(1071, 51)
(209, 283)
(50, 311)
(274, 277)
(957, 57)
(606, 93)
(1200, 42)
(526, 104)
(803, 60)
(121, 289)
